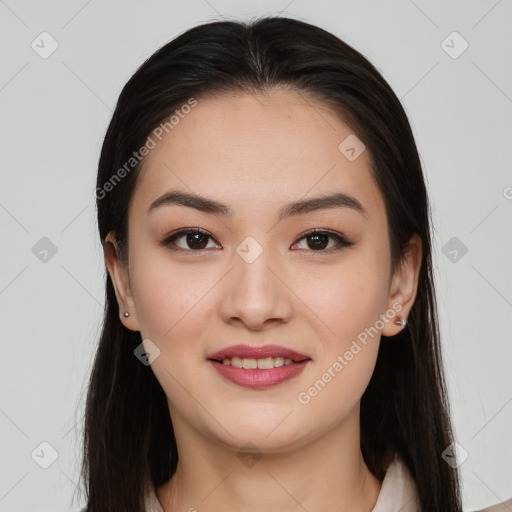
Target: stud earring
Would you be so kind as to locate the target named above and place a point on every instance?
(126, 314)
(400, 321)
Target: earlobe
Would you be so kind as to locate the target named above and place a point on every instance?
(404, 286)
(120, 280)
(402, 322)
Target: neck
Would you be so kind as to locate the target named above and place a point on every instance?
(327, 473)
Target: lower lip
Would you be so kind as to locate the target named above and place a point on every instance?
(259, 378)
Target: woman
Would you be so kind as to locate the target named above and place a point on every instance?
(270, 339)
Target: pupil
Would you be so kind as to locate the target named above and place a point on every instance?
(316, 244)
(191, 236)
(318, 241)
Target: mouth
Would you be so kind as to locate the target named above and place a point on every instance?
(263, 363)
(258, 367)
(263, 357)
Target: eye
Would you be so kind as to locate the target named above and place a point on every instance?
(318, 241)
(195, 239)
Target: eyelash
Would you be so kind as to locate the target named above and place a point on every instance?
(342, 241)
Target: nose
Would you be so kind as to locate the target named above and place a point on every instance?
(255, 294)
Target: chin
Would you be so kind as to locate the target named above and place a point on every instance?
(275, 437)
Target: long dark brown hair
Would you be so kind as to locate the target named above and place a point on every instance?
(129, 442)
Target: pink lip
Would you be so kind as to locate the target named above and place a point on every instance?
(257, 378)
(247, 352)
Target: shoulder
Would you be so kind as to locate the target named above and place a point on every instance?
(505, 506)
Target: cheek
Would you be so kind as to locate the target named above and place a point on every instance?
(349, 306)
(346, 305)
(345, 299)
(173, 312)
(169, 298)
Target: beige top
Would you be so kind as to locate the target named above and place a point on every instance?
(398, 492)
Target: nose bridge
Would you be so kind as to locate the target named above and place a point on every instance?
(252, 276)
(254, 294)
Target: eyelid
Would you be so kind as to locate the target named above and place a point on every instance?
(340, 237)
(168, 239)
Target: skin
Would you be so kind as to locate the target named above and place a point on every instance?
(255, 154)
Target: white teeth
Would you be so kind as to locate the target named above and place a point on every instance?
(264, 363)
(236, 362)
(249, 364)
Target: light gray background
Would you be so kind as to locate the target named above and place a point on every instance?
(54, 113)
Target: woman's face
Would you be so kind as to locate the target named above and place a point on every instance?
(255, 279)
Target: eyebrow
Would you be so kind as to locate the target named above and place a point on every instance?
(302, 206)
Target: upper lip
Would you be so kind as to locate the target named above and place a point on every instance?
(248, 352)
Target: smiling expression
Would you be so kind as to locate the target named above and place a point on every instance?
(287, 245)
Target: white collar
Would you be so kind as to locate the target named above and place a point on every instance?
(398, 491)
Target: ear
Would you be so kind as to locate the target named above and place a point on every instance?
(120, 279)
(404, 285)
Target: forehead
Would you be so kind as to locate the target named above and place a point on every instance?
(256, 152)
